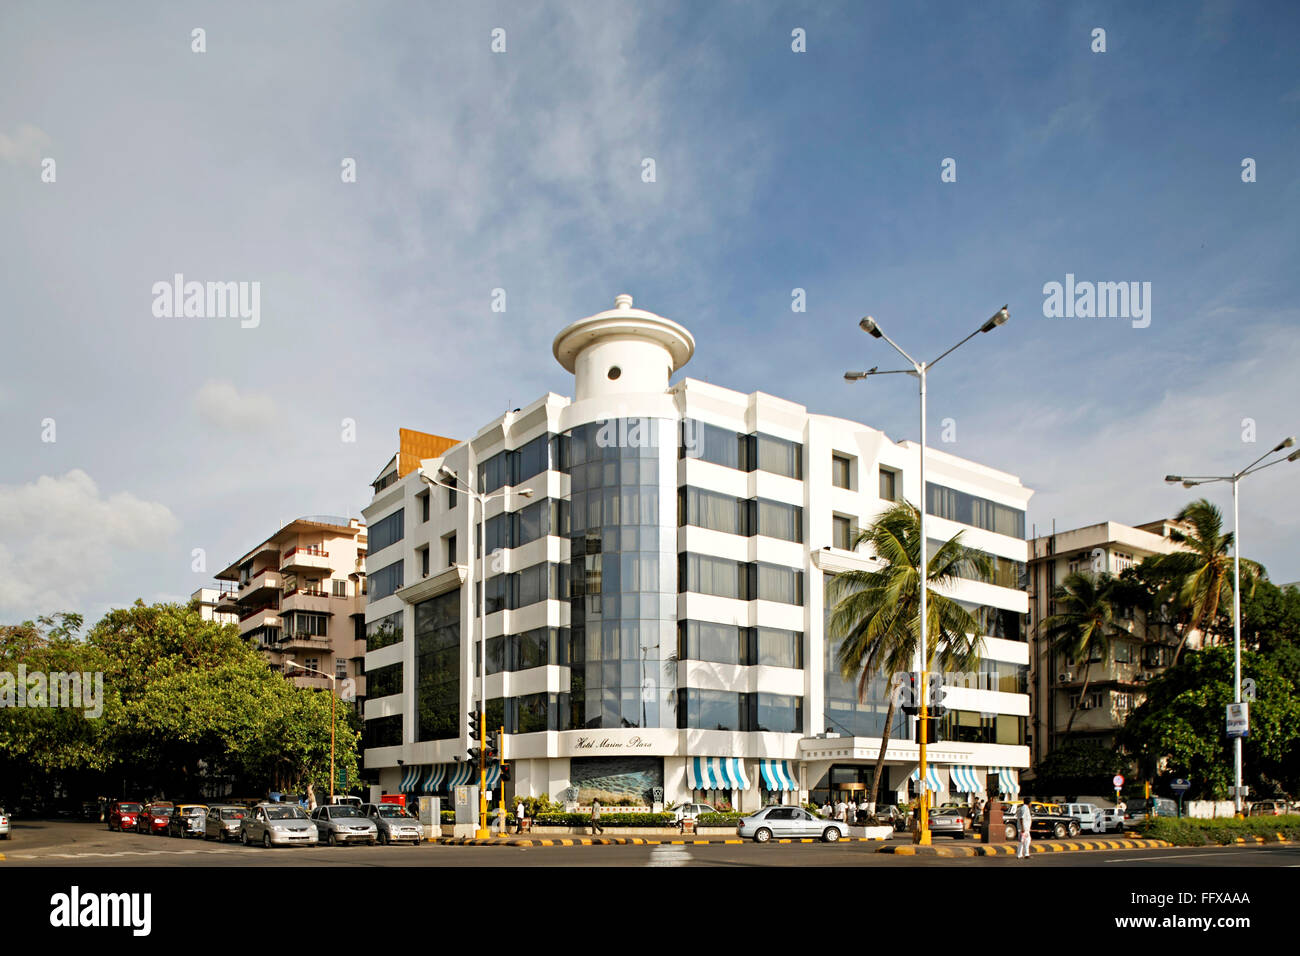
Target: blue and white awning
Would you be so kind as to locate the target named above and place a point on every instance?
(462, 774)
(777, 775)
(1008, 781)
(716, 773)
(410, 779)
(433, 778)
(964, 780)
(493, 775)
(933, 783)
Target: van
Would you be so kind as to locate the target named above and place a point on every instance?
(1087, 814)
(1142, 807)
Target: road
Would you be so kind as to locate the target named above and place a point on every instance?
(69, 843)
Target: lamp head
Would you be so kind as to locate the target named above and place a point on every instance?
(526, 493)
(1294, 456)
(445, 472)
(1285, 443)
(868, 325)
(998, 318)
(1190, 484)
(1173, 479)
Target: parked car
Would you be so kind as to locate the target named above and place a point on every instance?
(1043, 822)
(155, 817)
(273, 824)
(782, 822)
(394, 823)
(1086, 813)
(949, 820)
(1269, 808)
(1140, 808)
(343, 823)
(4, 824)
(122, 814)
(223, 822)
(691, 811)
(187, 819)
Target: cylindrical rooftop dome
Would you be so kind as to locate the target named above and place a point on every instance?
(623, 350)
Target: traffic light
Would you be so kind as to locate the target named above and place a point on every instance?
(911, 694)
(473, 753)
(475, 725)
(505, 772)
(938, 696)
(491, 745)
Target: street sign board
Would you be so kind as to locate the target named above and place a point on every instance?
(1180, 786)
(1239, 719)
(1118, 781)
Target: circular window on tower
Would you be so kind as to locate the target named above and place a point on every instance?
(614, 372)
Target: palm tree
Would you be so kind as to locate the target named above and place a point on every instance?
(877, 613)
(1204, 572)
(1084, 624)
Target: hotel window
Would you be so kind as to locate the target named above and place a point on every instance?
(889, 484)
(385, 631)
(423, 554)
(722, 446)
(384, 731)
(1123, 652)
(842, 532)
(341, 589)
(974, 511)
(841, 471)
(780, 584)
(385, 581)
(451, 549)
(384, 681)
(1123, 701)
(424, 506)
(451, 499)
(386, 531)
(340, 668)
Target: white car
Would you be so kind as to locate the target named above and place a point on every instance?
(691, 811)
(4, 824)
(278, 824)
(1109, 819)
(1087, 814)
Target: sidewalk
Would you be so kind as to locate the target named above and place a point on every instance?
(1009, 849)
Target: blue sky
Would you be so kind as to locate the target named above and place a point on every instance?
(775, 170)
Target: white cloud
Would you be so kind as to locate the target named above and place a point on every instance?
(24, 148)
(222, 405)
(63, 540)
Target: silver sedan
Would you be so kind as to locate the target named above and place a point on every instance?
(789, 822)
(395, 824)
(343, 823)
(278, 824)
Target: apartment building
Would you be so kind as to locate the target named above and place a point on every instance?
(655, 609)
(1115, 686)
(299, 596)
(206, 599)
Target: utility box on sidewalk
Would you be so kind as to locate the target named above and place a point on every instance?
(466, 805)
(994, 828)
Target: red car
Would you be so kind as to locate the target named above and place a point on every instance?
(122, 815)
(155, 817)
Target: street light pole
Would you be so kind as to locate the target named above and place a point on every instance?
(920, 370)
(479, 565)
(333, 702)
(1191, 481)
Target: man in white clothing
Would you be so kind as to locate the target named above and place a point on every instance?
(1024, 822)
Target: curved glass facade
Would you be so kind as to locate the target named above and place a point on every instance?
(623, 587)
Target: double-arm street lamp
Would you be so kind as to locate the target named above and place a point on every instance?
(290, 662)
(920, 370)
(1191, 481)
(452, 482)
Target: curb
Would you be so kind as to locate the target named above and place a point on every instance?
(622, 841)
(1009, 849)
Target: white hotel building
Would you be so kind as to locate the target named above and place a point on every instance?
(655, 612)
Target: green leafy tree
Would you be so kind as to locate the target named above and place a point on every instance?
(876, 614)
(1084, 625)
(1204, 573)
(1078, 767)
(1180, 725)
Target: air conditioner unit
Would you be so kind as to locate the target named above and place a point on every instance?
(1085, 705)
(1065, 677)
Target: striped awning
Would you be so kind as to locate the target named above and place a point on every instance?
(462, 774)
(716, 773)
(433, 778)
(410, 778)
(933, 783)
(777, 775)
(1008, 780)
(964, 780)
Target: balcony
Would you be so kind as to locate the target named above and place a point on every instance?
(303, 641)
(306, 559)
(309, 680)
(259, 586)
(259, 617)
(305, 599)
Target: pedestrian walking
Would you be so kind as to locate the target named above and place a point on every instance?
(595, 817)
(519, 816)
(1024, 821)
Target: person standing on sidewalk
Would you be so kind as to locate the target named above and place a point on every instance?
(519, 816)
(595, 817)
(1024, 822)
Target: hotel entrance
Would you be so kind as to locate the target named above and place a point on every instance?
(850, 783)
